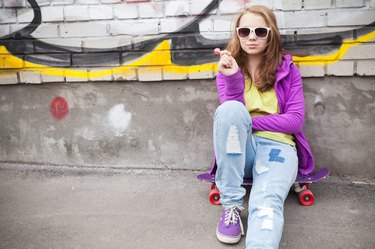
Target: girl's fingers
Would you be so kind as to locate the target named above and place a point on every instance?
(225, 52)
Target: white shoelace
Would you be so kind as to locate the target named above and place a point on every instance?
(233, 216)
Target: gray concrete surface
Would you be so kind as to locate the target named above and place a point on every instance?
(169, 124)
(63, 207)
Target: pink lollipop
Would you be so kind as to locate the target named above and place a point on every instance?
(217, 51)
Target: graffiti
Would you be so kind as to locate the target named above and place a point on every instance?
(183, 50)
(59, 108)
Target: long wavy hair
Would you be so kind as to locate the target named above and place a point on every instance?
(272, 56)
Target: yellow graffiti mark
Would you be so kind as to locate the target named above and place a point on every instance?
(335, 57)
(161, 57)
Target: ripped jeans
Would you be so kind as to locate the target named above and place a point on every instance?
(272, 165)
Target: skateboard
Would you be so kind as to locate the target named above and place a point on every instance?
(301, 185)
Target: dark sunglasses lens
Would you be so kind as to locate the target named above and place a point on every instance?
(243, 32)
(261, 32)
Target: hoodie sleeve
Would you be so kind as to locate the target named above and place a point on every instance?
(291, 121)
(231, 87)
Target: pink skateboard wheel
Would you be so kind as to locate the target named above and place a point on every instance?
(217, 51)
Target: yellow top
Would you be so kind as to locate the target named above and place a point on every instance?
(263, 103)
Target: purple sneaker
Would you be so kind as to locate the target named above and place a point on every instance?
(230, 227)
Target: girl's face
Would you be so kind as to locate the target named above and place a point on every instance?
(255, 43)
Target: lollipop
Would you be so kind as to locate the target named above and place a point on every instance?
(217, 51)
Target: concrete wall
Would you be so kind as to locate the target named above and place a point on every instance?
(169, 124)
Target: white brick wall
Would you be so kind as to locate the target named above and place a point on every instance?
(318, 4)
(350, 3)
(357, 17)
(177, 8)
(100, 12)
(83, 29)
(76, 13)
(110, 24)
(341, 68)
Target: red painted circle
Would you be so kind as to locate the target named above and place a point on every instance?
(59, 108)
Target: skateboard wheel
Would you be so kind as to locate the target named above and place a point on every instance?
(215, 196)
(306, 197)
(213, 185)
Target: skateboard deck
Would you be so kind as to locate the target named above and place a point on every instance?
(301, 185)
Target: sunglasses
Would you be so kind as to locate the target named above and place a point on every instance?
(261, 33)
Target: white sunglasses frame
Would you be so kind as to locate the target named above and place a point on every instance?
(252, 30)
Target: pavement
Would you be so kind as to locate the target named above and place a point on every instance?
(71, 207)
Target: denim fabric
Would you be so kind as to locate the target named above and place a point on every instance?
(272, 165)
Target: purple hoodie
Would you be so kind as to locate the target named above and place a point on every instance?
(289, 92)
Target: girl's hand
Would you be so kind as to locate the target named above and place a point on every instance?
(227, 64)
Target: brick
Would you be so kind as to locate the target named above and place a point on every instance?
(4, 30)
(230, 6)
(110, 1)
(350, 3)
(8, 16)
(173, 24)
(138, 1)
(150, 10)
(126, 74)
(174, 73)
(125, 11)
(223, 24)
(87, 1)
(14, 3)
(8, 77)
(197, 7)
(46, 78)
(115, 42)
(9, 61)
(76, 13)
(150, 74)
(288, 5)
(81, 78)
(177, 8)
(25, 15)
(341, 68)
(100, 12)
(312, 71)
(301, 19)
(317, 4)
(361, 51)
(141, 27)
(52, 14)
(61, 2)
(96, 59)
(43, 30)
(206, 25)
(41, 3)
(74, 44)
(267, 3)
(357, 17)
(198, 74)
(30, 77)
(366, 68)
(92, 77)
(52, 60)
(83, 29)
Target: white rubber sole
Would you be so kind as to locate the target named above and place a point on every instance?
(227, 240)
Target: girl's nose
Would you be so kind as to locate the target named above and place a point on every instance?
(252, 35)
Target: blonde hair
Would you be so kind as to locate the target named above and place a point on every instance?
(272, 56)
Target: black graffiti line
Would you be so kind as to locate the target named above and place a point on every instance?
(187, 48)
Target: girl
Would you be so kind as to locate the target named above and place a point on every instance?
(258, 129)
